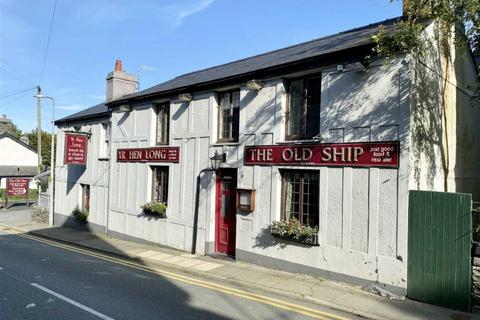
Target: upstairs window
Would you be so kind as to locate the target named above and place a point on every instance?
(228, 116)
(163, 123)
(105, 141)
(300, 194)
(160, 184)
(303, 112)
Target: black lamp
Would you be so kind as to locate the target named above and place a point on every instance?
(217, 159)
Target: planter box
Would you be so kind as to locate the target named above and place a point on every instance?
(154, 214)
(309, 241)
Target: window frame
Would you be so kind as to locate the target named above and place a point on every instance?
(301, 194)
(86, 190)
(166, 178)
(233, 136)
(105, 137)
(287, 83)
(164, 109)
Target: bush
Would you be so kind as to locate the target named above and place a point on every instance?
(292, 230)
(81, 215)
(154, 208)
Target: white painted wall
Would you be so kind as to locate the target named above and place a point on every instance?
(363, 212)
(14, 154)
(95, 173)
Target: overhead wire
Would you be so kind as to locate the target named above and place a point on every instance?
(13, 100)
(48, 42)
(15, 71)
(14, 93)
(13, 76)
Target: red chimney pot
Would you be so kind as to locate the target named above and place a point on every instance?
(118, 65)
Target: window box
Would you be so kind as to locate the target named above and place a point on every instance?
(154, 209)
(292, 231)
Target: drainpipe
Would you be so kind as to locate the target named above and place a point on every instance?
(195, 216)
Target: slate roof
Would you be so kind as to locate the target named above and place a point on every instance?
(315, 48)
(18, 171)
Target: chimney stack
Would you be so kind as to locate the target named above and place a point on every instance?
(120, 83)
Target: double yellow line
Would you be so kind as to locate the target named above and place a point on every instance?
(280, 304)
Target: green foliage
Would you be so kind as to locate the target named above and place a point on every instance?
(46, 144)
(451, 13)
(154, 208)
(292, 230)
(32, 195)
(80, 214)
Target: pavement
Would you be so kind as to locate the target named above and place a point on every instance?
(329, 294)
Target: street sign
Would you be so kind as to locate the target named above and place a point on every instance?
(155, 154)
(76, 148)
(362, 154)
(17, 186)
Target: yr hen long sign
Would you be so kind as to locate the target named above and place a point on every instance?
(154, 154)
(366, 154)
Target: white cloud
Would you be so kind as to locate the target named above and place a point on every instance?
(97, 97)
(71, 107)
(182, 13)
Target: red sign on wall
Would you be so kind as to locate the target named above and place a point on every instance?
(17, 186)
(362, 154)
(155, 154)
(76, 148)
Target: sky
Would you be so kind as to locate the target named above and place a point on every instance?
(156, 39)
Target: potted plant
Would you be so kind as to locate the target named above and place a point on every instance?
(292, 230)
(154, 208)
(81, 215)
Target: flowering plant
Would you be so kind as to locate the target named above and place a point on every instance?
(294, 231)
(154, 208)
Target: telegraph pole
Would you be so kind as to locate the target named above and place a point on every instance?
(39, 129)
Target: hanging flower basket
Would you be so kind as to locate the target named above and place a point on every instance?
(155, 209)
(291, 230)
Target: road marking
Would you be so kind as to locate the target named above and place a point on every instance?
(281, 304)
(72, 302)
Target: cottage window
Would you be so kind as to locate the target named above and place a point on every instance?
(228, 116)
(163, 120)
(303, 112)
(105, 140)
(85, 197)
(160, 184)
(300, 196)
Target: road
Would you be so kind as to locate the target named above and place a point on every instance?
(41, 279)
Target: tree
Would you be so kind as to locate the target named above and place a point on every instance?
(464, 15)
(458, 24)
(46, 144)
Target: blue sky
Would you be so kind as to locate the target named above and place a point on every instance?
(159, 39)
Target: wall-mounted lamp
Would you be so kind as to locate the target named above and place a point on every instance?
(125, 108)
(186, 97)
(217, 159)
(254, 85)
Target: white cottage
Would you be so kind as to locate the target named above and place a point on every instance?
(17, 160)
(315, 131)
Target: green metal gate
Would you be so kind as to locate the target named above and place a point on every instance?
(439, 248)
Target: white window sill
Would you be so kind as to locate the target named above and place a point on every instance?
(219, 144)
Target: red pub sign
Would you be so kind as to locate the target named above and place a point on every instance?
(76, 148)
(17, 186)
(362, 154)
(155, 154)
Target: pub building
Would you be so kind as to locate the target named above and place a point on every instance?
(319, 131)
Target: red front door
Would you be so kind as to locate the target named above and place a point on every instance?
(225, 211)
